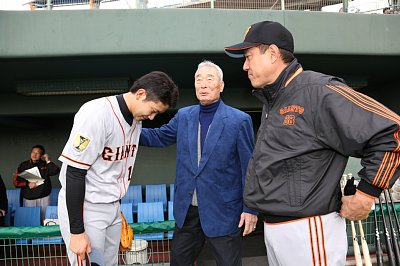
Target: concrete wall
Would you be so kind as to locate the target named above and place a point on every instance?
(155, 31)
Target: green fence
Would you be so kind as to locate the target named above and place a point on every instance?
(42, 245)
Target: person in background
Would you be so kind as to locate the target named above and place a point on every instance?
(3, 201)
(36, 194)
(214, 144)
(311, 123)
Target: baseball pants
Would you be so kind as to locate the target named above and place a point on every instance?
(318, 240)
(103, 227)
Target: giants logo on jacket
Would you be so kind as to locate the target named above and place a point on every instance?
(119, 153)
(290, 119)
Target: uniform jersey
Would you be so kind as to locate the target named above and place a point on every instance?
(104, 144)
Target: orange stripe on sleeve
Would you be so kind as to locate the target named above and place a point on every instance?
(376, 178)
(66, 157)
(391, 174)
(386, 175)
(381, 107)
(371, 101)
(373, 106)
(364, 106)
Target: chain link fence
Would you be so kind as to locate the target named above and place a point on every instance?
(350, 6)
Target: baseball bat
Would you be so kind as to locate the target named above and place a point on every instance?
(389, 248)
(378, 244)
(357, 252)
(364, 246)
(392, 231)
(395, 213)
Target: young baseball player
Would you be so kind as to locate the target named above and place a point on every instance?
(98, 160)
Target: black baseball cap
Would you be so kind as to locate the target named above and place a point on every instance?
(265, 32)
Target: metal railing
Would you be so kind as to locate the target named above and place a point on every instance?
(38, 246)
(350, 6)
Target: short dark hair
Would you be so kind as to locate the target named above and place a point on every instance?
(40, 147)
(159, 87)
(286, 55)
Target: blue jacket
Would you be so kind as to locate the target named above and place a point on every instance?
(219, 178)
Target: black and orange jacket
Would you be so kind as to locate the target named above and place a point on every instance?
(311, 123)
(46, 170)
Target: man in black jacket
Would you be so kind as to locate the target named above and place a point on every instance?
(311, 124)
(36, 193)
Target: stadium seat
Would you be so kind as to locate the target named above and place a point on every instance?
(171, 192)
(54, 196)
(133, 195)
(26, 216)
(7, 219)
(171, 211)
(170, 217)
(155, 193)
(126, 209)
(13, 196)
(51, 213)
(150, 212)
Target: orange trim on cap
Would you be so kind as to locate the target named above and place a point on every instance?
(66, 157)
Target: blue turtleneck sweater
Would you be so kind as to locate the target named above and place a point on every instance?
(205, 117)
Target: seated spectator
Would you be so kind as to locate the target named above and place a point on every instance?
(3, 202)
(36, 194)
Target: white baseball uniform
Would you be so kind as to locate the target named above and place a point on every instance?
(103, 143)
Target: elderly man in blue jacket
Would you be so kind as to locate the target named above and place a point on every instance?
(214, 145)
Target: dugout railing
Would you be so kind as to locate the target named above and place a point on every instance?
(34, 246)
(20, 245)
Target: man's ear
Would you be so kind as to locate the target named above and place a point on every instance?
(222, 87)
(274, 51)
(141, 94)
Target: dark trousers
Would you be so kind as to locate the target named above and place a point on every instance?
(189, 240)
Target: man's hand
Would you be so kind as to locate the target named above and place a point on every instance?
(80, 245)
(32, 185)
(45, 157)
(249, 220)
(356, 207)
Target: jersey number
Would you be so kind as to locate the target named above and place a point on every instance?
(129, 173)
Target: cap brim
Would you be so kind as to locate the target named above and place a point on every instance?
(237, 50)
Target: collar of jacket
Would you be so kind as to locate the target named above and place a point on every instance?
(269, 92)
